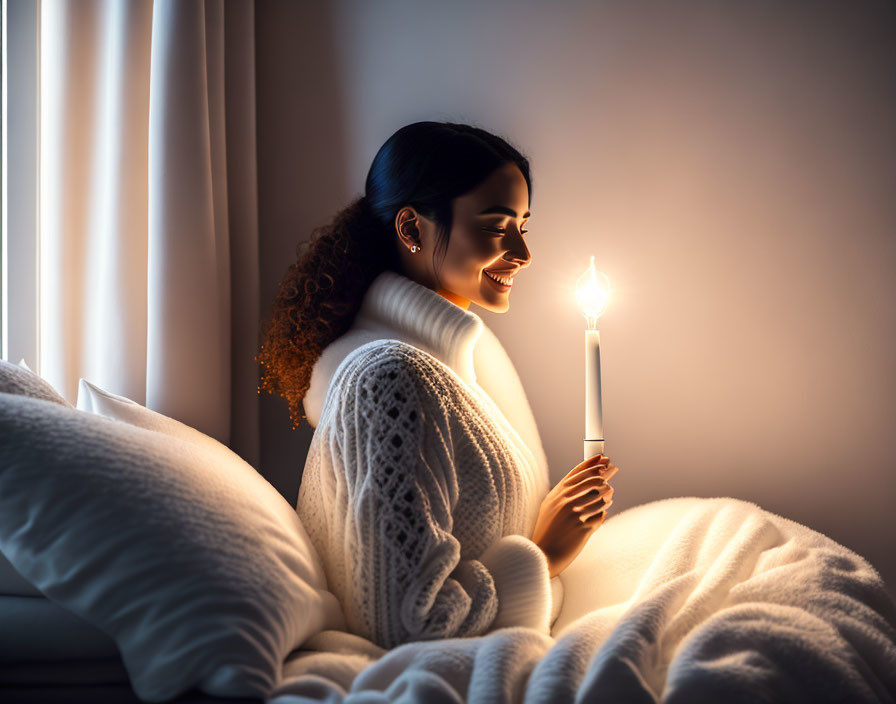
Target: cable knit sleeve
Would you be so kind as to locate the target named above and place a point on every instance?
(401, 573)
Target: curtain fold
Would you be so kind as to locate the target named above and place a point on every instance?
(149, 282)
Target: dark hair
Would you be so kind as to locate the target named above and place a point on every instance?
(425, 165)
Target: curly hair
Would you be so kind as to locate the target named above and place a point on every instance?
(424, 165)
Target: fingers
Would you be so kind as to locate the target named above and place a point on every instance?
(588, 466)
(594, 508)
(594, 520)
(609, 472)
(590, 462)
(601, 474)
(590, 485)
(605, 492)
(589, 480)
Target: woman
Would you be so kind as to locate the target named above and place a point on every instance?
(425, 489)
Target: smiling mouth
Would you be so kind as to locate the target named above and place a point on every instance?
(500, 283)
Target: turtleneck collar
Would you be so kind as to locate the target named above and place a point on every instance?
(424, 319)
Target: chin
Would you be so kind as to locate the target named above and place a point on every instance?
(492, 299)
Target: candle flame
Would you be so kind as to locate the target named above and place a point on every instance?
(593, 293)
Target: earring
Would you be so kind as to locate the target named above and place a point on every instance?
(414, 247)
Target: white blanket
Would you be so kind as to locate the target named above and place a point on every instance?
(685, 600)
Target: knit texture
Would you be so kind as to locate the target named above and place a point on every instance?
(417, 491)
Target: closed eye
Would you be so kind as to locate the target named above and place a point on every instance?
(488, 229)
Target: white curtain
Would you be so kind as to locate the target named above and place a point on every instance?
(148, 207)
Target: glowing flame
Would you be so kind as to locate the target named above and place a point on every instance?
(593, 293)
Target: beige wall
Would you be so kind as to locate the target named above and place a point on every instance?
(732, 167)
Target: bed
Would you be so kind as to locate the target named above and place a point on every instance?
(143, 561)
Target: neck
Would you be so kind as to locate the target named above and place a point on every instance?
(454, 298)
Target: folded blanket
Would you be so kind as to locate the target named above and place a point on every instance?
(684, 600)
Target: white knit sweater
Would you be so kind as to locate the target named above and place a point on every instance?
(425, 474)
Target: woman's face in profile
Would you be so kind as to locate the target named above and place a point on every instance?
(487, 235)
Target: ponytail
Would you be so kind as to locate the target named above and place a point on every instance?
(424, 165)
(319, 297)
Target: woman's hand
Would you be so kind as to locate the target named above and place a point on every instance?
(573, 510)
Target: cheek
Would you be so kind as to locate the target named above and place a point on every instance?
(474, 252)
(469, 252)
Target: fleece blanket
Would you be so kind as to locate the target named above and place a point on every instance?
(685, 600)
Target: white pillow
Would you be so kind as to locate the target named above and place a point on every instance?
(19, 379)
(92, 398)
(198, 568)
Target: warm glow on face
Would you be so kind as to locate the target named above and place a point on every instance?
(593, 293)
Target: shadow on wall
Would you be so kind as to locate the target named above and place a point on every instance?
(301, 169)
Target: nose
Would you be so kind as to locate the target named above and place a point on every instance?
(520, 253)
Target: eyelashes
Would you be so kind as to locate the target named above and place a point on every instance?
(487, 229)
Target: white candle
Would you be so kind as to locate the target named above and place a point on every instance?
(593, 293)
(594, 418)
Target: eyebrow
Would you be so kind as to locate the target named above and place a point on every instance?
(502, 210)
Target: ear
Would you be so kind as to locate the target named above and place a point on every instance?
(407, 226)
